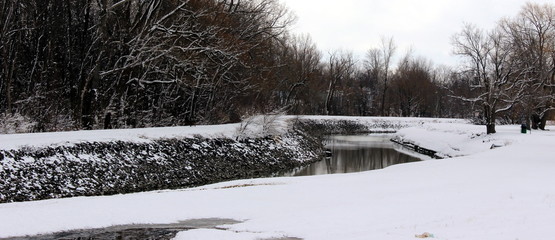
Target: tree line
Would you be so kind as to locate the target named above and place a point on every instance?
(511, 68)
(96, 64)
(129, 63)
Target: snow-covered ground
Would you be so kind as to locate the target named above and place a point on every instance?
(14, 141)
(256, 125)
(507, 192)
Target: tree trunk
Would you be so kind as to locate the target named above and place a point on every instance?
(291, 92)
(383, 96)
(7, 78)
(490, 119)
(87, 96)
(543, 122)
(329, 97)
(535, 118)
(490, 128)
(108, 121)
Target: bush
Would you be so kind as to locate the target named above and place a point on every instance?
(16, 123)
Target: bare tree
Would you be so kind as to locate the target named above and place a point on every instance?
(8, 31)
(496, 79)
(341, 67)
(532, 35)
(200, 55)
(413, 88)
(132, 63)
(378, 63)
(301, 66)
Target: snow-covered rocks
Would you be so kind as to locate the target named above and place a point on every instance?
(101, 168)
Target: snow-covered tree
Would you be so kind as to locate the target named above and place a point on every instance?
(532, 37)
(497, 81)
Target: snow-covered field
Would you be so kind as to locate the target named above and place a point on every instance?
(507, 192)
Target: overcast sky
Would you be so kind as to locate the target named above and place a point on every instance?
(425, 25)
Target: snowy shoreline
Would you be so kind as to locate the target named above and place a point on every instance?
(106, 162)
(103, 162)
(480, 193)
(118, 167)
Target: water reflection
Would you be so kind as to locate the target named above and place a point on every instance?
(357, 154)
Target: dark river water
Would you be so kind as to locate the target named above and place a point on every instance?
(357, 154)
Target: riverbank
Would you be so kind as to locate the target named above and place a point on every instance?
(481, 193)
(108, 168)
(107, 162)
(94, 164)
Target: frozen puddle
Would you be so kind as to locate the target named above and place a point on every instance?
(141, 231)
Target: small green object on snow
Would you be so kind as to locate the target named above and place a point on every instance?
(523, 128)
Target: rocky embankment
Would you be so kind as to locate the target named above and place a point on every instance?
(100, 168)
(106, 168)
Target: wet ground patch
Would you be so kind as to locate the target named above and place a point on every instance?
(141, 231)
(135, 231)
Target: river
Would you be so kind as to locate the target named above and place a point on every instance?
(348, 154)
